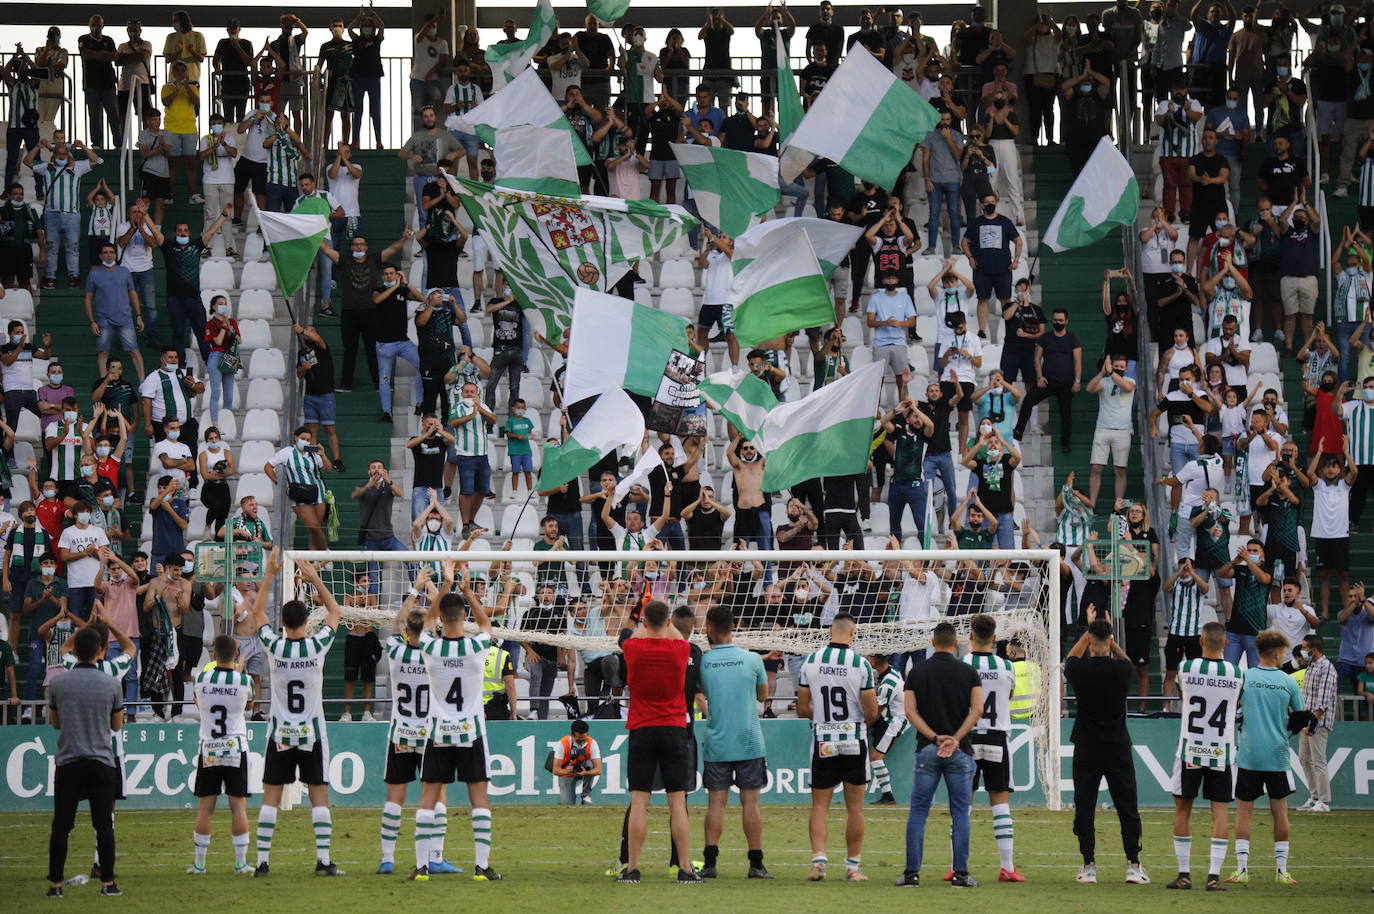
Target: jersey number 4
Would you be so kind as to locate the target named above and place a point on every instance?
(990, 709)
(1199, 708)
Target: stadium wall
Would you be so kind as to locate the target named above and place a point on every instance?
(160, 764)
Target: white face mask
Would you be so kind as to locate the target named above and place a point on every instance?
(433, 525)
(102, 451)
(50, 493)
(213, 445)
(83, 517)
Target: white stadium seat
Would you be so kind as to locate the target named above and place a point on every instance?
(676, 273)
(228, 424)
(262, 425)
(264, 394)
(258, 275)
(255, 305)
(17, 305)
(267, 363)
(208, 294)
(255, 334)
(1264, 359)
(258, 486)
(217, 274)
(254, 455)
(678, 300)
(529, 522)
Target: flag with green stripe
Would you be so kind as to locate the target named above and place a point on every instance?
(1104, 195)
(617, 343)
(826, 433)
(537, 159)
(608, 10)
(780, 283)
(612, 421)
(832, 241)
(507, 61)
(865, 120)
(525, 101)
(293, 239)
(731, 188)
(740, 397)
(789, 99)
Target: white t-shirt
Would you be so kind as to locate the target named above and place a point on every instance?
(593, 750)
(1154, 253)
(949, 301)
(1114, 406)
(962, 365)
(1232, 421)
(425, 54)
(1331, 509)
(174, 450)
(1236, 375)
(344, 187)
(250, 142)
(1290, 621)
(82, 571)
(1177, 359)
(917, 597)
(137, 255)
(716, 288)
(222, 171)
(1258, 455)
(1206, 472)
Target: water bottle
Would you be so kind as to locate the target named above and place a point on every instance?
(79, 879)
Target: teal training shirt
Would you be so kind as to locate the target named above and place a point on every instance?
(1266, 697)
(730, 677)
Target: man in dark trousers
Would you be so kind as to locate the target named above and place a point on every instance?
(1058, 374)
(944, 700)
(84, 704)
(1101, 676)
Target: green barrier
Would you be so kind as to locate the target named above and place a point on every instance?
(159, 767)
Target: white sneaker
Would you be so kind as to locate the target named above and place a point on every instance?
(1088, 873)
(345, 717)
(1136, 875)
(1311, 801)
(1280, 336)
(1320, 807)
(1325, 178)
(1257, 336)
(1340, 191)
(367, 717)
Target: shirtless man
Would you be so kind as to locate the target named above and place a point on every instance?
(751, 518)
(252, 657)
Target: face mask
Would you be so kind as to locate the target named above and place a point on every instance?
(651, 575)
(1281, 71)
(1175, 268)
(17, 338)
(83, 517)
(216, 129)
(1368, 394)
(107, 501)
(69, 415)
(302, 444)
(55, 379)
(369, 31)
(999, 103)
(389, 283)
(1180, 346)
(213, 445)
(1058, 326)
(433, 525)
(1328, 385)
(48, 571)
(87, 470)
(107, 261)
(518, 412)
(990, 208)
(183, 239)
(1220, 224)
(1337, 19)
(102, 451)
(1085, 88)
(1300, 224)
(1232, 104)
(188, 567)
(221, 309)
(49, 493)
(173, 434)
(985, 428)
(60, 163)
(264, 106)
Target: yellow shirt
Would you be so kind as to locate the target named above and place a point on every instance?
(179, 114)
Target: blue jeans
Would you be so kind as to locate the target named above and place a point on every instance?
(422, 92)
(463, 330)
(387, 354)
(797, 191)
(369, 87)
(1180, 454)
(903, 495)
(147, 297)
(1006, 531)
(570, 525)
(1241, 645)
(418, 182)
(100, 105)
(221, 393)
(672, 535)
(957, 772)
(338, 231)
(819, 201)
(187, 312)
(390, 544)
(948, 193)
(64, 231)
(1344, 329)
(80, 600)
(419, 500)
(280, 198)
(131, 677)
(943, 466)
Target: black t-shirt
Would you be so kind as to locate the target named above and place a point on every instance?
(1122, 330)
(1057, 362)
(1281, 178)
(1100, 685)
(1208, 199)
(869, 38)
(596, 47)
(814, 76)
(367, 58)
(1029, 317)
(547, 619)
(870, 207)
(566, 502)
(429, 462)
(705, 528)
(891, 249)
(1085, 118)
(182, 262)
(1176, 404)
(231, 65)
(992, 240)
(319, 380)
(996, 487)
(505, 327)
(664, 127)
(443, 244)
(840, 493)
(829, 34)
(359, 279)
(937, 442)
(717, 43)
(390, 321)
(858, 595)
(943, 686)
(738, 133)
(99, 74)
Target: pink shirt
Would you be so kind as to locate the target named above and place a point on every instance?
(120, 602)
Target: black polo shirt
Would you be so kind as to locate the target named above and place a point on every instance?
(943, 685)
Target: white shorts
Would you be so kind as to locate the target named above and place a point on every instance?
(840, 283)
(482, 255)
(1113, 442)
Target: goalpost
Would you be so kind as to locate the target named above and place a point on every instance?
(783, 601)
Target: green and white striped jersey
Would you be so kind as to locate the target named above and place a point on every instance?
(472, 436)
(456, 667)
(891, 700)
(66, 454)
(1185, 619)
(409, 693)
(1207, 729)
(1351, 301)
(837, 676)
(1075, 520)
(102, 221)
(281, 160)
(301, 466)
(1359, 431)
(999, 684)
(168, 393)
(23, 99)
(297, 685)
(434, 542)
(116, 669)
(64, 182)
(222, 696)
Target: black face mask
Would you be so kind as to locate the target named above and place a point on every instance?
(1328, 385)
(999, 103)
(1059, 326)
(990, 208)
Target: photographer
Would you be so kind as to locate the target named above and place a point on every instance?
(375, 496)
(18, 76)
(305, 462)
(577, 764)
(315, 364)
(1112, 438)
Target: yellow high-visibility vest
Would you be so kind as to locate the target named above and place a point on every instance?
(1027, 686)
(493, 683)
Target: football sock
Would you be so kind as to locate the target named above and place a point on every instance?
(391, 830)
(1281, 856)
(202, 847)
(436, 841)
(1217, 858)
(424, 829)
(267, 824)
(1003, 831)
(1242, 853)
(481, 837)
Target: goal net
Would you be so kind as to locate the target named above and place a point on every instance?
(783, 603)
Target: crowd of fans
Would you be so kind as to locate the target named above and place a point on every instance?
(1228, 285)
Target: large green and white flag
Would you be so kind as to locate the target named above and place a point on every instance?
(782, 289)
(551, 246)
(865, 120)
(741, 397)
(732, 189)
(789, 99)
(293, 239)
(526, 101)
(617, 343)
(832, 241)
(507, 60)
(1104, 195)
(612, 421)
(826, 433)
(536, 159)
(608, 10)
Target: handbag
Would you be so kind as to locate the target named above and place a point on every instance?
(303, 493)
(229, 361)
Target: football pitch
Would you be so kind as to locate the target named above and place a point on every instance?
(555, 856)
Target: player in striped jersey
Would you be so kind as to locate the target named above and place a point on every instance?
(1206, 751)
(409, 731)
(222, 692)
(1359, 436)
(297, 743)
(114, 667)
(836, 691)
(1185, 588)
(991, 752)
(891, 723)
(456, 747)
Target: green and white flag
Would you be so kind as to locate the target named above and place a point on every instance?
(781, 290)
(293, 239)
(613, 420)
(865, 120)
(608, 10)
(524, 102)
(826, 433)
(507, 60)
(617, 343)
(732, 189)
(832, 241)
(789, 99)
(741, 397)
(1104, 195)
(536, 159)
(551, 246)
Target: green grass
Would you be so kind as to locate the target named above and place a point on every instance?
(557, 855)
